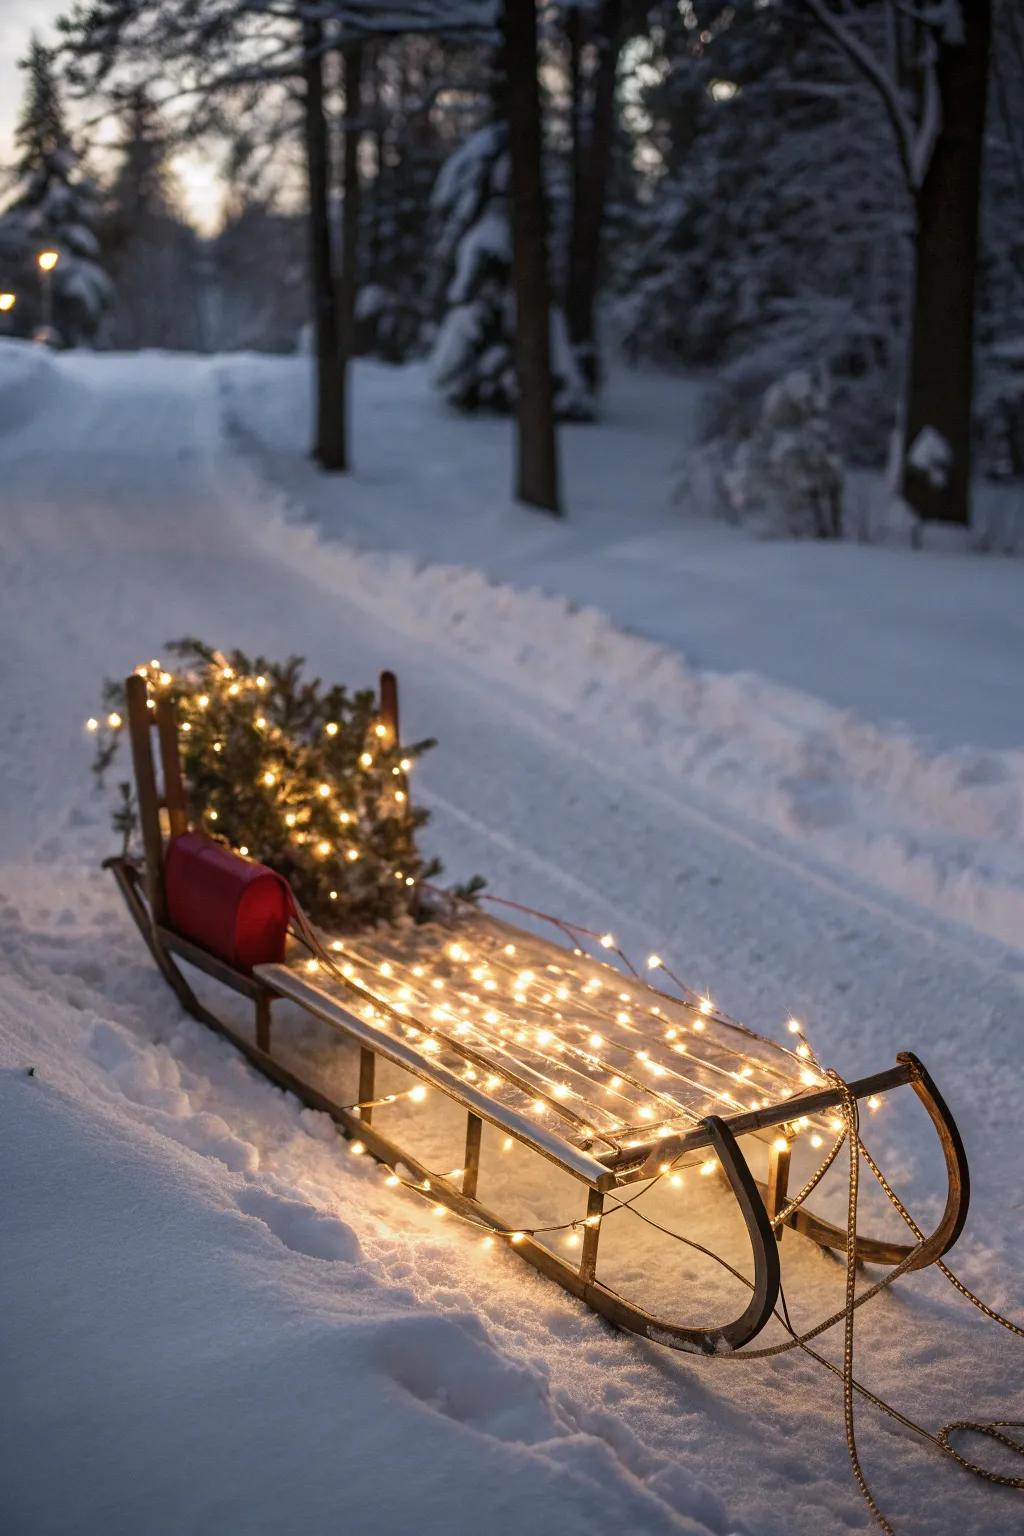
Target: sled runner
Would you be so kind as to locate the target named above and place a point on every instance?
(611, 1079)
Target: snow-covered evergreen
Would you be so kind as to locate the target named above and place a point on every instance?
(54, 206)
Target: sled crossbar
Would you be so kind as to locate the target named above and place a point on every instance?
(613, 1094)
(635, 1163)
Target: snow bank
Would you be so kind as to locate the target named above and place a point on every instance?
(163, 1300)
(28, 382)
(942, 828)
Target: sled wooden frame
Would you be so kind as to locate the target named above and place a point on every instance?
(143, 892)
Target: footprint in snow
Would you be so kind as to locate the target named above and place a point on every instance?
(452, 1368)
(301, 1227)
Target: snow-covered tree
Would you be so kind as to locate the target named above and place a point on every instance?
(929, 69)
(774, 235)
(782, 476)
(54, 206)
(472, 359)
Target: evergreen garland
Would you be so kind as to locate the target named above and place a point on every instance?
(302, 777)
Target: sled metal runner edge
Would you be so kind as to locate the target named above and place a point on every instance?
(143, 892)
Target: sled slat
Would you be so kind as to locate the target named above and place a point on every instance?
(302, 990)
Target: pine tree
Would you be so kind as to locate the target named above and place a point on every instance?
(54, 206)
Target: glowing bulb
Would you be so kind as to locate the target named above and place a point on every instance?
(380, 730)
(323, 848)
(675, 1179)
(331, 727)
(244, 851)
(516, 1237)
(874, 1102)
(608, 941)
(654, 962)
(323, 790)
(572, 1240)
(803, 1049)
(706, 1005)
(312, 965)
(357, 1148)
(365, 760)
(392, 1179)
(708, 1167)
(114, 720)
(439, 1210)
(212, 815)
(793, 1026)
(405, 764)
(780, 1144)
(233, 690)
(92, 724)
(269, 778)
(352, 854)
(487, 1242)
(596, 1041)
(817, 1141)
(418, 1094)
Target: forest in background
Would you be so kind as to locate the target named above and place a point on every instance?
(817, 202)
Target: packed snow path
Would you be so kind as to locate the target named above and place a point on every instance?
(217, 1318)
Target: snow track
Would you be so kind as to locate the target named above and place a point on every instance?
(206, 1279)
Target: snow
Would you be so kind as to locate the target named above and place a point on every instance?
(215, 1317)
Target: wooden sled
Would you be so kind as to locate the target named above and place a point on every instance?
(638, 1088)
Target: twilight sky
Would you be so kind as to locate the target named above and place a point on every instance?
(197, 177)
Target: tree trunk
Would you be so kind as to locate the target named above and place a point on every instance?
(329, 425)
(941, 378)
(351, 194)
(592, 158)
(537, 454)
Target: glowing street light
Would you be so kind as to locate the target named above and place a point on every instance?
(46, 261)
(7, 302)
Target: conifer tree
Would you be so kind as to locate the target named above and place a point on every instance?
(54, 206)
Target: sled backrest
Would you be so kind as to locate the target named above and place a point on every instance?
(144, 714)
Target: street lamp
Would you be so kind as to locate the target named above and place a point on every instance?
(7, 302)
(46, 261)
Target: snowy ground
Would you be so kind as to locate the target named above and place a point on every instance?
(214, 1317)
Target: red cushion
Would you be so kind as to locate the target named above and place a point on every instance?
(233, 907)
